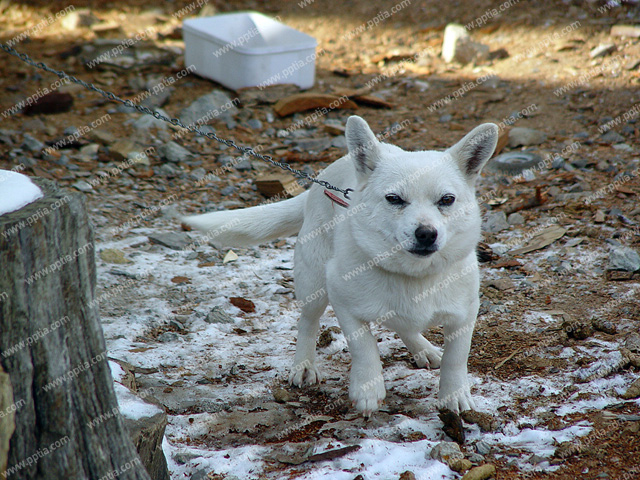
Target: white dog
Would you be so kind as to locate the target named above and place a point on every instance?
(402, 254)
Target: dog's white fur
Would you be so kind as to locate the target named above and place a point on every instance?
(368, 262)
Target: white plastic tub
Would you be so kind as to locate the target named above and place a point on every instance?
(248, 49)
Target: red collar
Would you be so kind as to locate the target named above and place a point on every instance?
(335, 199)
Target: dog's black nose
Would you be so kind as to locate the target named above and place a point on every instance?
(426, 236)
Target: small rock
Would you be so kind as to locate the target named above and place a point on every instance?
(113, 255)
(218, 315)
(215, 105)
(243, 165)
(480, 473)
(483, 448)
(202, 474)
(168, 337)
(32, 144)
(254, 124)
(408, 475)
(99, 136)
(457, 46)
(452, 425)
(631, 31)
(633, 391)
(536, 459)
(281, 395)
(173, 152)
(605, 326)
(198, 173)
(231, 256)
(34, 125)
(486, 422)
(172, 240)
(599, 217)
(228, 190)
(78, 18)
(184, 457)
(476, 458)
(521, 136)
(611, 137)
(632, 342)
(624, 258)
(445, 451)
(122, 149)
(602, 50)
(445, 118)
(460, 465)
(495, 222)
(579, 330)
(515, 219)
(82, 186)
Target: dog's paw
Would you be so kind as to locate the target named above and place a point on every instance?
(428, 358)
(456, 399)
(367, 396)
(304, 374)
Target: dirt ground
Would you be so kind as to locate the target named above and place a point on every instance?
(534, 53)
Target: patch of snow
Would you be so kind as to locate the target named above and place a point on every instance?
(131, 406)
(16, 191)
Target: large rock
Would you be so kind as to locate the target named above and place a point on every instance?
(146, 422)
(445, 452)
(457, 46)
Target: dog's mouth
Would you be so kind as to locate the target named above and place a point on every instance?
(423, 251)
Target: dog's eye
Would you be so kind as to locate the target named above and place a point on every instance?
(446, 200)
(394, 199)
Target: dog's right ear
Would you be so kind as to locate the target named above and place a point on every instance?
(363, 146)
(475, 149)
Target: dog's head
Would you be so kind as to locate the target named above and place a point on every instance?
(419, 211)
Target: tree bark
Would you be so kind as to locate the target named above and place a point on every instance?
(67, 424)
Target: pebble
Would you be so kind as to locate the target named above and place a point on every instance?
(168, 170)
(407, 475)
(281, 395)
(228, 190)
(198, 174)
(624, 258)
(445, 118)
(602, 50)
(495, 222)
(515, 219)
(213, 105)
(476, 458)
(173, 152)
(445, 451)
(480, 473)
(115, 256)
(168, 337)
(83, 186)
(172, 240)
(633, 391)
(254, 124)
(218, 315)
(460, 465)
(521, 136)
(483, 448)
(243, 165)
(611, 137)
(32, 144)
(632, 342)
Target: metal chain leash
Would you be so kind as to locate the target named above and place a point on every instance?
(174, 121)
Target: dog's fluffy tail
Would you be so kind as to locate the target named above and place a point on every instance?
(251, 226)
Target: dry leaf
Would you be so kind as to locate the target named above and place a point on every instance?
(243, 304)
(302, 102)
(541, 240)
(231, 256)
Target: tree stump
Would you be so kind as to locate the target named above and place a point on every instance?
(52, 347)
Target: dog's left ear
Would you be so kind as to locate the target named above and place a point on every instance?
(475, 149)
(363, 146)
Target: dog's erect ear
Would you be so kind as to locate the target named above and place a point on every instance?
(475, 149)
(363, 145)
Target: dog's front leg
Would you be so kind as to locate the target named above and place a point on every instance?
(366, 387)
(454, 386)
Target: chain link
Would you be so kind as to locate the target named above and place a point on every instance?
(174, 121)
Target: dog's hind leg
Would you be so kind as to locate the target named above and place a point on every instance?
(424, 353)
(312, 297)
